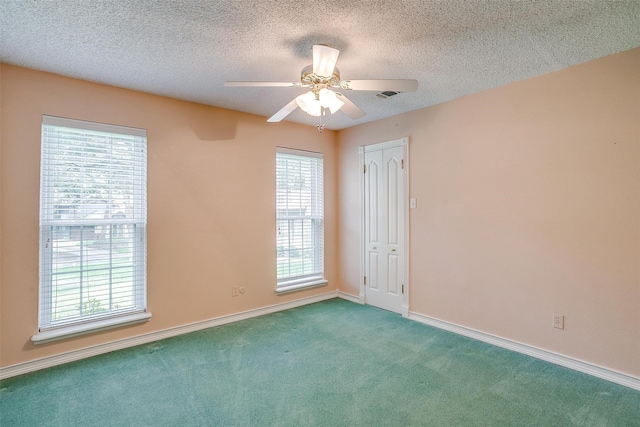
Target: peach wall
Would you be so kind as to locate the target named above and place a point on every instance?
(211, 204)
(1, 203)
(528, 205)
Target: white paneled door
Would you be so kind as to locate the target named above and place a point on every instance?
(384, 188)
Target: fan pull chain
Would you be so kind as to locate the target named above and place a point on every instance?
(321, 126)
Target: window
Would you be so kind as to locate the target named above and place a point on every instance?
(299, 219)
(92, 227)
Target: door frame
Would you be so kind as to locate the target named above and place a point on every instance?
(402, 142)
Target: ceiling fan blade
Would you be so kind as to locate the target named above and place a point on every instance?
(284, 112)
(324, 60)
(263, 84)
(349, 108)
(396, 85)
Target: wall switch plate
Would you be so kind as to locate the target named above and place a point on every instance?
(558, 321)
(234, 291)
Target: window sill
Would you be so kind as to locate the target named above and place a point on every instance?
(285, 289)
(88, 328)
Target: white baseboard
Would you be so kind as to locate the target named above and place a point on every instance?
(59, 359)
(349, 297)
(567, 362)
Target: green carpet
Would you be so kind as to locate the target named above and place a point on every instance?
(333, 363)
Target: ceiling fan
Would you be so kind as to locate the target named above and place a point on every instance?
(323, 77)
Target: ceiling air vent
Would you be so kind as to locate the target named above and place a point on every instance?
(386, 94)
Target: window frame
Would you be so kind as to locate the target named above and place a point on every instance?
(315, 218)
(55, 221)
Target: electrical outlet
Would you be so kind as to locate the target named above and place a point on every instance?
(234, 291)
(558, 321)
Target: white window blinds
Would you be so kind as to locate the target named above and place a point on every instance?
(299, 217)
(92, 222)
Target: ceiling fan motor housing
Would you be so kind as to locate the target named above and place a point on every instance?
(308, 77)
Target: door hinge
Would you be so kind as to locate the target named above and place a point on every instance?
(365, 280)
(402, 289)
(402, 163)
(364, 168)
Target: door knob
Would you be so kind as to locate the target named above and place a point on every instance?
(393, 250)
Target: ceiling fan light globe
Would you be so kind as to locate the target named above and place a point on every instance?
(315, 109)
(324, 60)
(309, 104)
(328, 99)
(304, 101)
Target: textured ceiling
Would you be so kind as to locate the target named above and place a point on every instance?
(188, 49)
